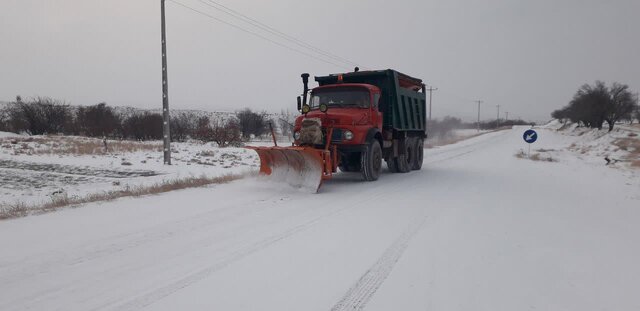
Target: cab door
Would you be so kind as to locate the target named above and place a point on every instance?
(376, 115)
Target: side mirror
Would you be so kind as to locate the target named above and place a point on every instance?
(299, 103)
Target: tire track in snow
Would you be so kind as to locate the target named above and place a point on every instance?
(359, 295)
(459, 151)
(164, 291)
(167, 290)
(96, 249)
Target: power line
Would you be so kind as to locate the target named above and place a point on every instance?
(257, 35)
(273, 31)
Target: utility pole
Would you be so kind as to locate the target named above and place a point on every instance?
(506, 116)
(479, 102)
(498, 117)
(431, 89)
(165, 92)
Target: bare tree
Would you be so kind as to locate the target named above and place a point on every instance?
(594, 105)
(621, 105)
(252, 123)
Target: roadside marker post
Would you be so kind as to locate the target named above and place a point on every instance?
(530, 137)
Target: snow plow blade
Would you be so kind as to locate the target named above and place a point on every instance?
(301, 167)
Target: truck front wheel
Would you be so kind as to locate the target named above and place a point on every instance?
(371, 161)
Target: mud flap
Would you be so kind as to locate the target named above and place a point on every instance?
(300, 167)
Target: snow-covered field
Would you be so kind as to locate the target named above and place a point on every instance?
(477, 229)
(33, 169)
(621, 146)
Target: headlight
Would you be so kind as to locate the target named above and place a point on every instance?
(348, 135)
(296, 135)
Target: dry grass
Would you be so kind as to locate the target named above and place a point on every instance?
(535, 157)
(8, 211)
(71, 145)
(631, 145)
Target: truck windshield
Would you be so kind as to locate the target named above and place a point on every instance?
(348, 97)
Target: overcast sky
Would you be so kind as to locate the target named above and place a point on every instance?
(527, 56)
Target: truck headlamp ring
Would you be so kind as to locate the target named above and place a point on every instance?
(324, 107)
(348, 135)
(306, 109)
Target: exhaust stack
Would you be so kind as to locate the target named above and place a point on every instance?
(305, 82)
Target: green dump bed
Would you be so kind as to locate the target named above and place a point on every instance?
(402, 104)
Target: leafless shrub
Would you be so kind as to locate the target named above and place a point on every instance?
(535, 157)
(226, 133)
(183, 126)
(15, 210)
(97, 121)
(252, 123)
(39, 115)
(223, 133)
(146, 126)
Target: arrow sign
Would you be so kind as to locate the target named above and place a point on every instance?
(530, 136)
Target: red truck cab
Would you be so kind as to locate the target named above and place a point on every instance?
(352, 111)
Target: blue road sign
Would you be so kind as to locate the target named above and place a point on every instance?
(530, 136)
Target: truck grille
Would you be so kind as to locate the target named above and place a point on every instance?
(335, 138)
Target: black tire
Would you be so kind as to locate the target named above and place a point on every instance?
(419, 154)
(405, 161)
(371, 161)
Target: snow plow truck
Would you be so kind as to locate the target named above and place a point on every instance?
(352, 121)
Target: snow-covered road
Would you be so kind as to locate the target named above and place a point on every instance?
(476, 229)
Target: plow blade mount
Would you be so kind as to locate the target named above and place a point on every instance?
(302, 167)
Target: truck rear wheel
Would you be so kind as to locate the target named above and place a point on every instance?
(371, 161)
(419, 154)
(406, 160)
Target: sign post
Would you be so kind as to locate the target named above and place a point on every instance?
(530, 137)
